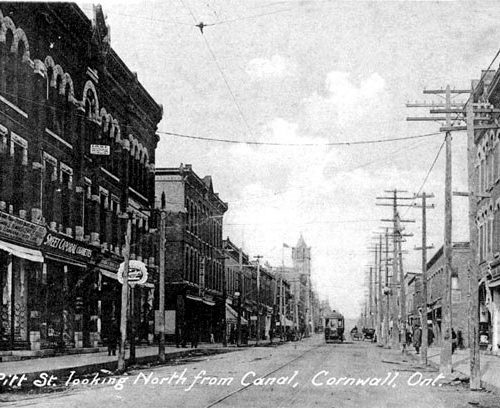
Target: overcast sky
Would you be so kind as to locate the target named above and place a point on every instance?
(309, 72)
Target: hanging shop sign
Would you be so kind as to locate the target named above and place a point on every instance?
(99, 150)
(137, 273)
(16, 229)
(65, 247)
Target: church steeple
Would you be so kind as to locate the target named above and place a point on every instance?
(301, 243)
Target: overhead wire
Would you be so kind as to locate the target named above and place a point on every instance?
(221, 71)
(341, 143)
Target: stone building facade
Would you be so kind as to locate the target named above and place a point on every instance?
(62, 90)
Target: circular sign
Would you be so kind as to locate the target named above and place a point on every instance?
(137, 273)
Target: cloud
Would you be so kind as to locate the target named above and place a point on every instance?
(276, 67)
(342, 104)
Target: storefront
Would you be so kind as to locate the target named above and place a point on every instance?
(141, 297)
(67, 305)
(492, 305)
(20, 264)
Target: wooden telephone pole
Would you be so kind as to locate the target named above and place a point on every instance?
(161, 288)
(424, 248)
(449, 108)
(124, 297)
(397, 274)
(258, 257)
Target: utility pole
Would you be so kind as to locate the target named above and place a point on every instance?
(484, 110)
(387, 291)
(240, 289)
(161, 289)
(446, 316)
(475, 363)
(370, 298)
(424, 248)
(445, 363)
(402, 288)
(124, 300)
(396, 238)
(380, 304)
(258, 257)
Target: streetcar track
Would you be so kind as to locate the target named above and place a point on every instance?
(245, 387)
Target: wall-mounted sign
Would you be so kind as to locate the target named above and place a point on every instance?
(100, 150)
(67, 247)
(17, 229)
(137, 273)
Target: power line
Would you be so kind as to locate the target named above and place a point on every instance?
(248, 142)
(426, 176)
(220, 70)
(343, 143)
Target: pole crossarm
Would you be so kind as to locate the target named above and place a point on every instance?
(452, 128)
(421, 248)
(444, 91)
(392, 220)
(424, 119)
(391, 205)
(466, 194)
(432, 105)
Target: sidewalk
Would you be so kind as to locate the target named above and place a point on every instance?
(490, 365)
(61, 366)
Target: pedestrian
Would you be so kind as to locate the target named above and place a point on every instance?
(113, 338)
(453, 340)
(430, 336)
(408, 338)
(194, 336)
(417, 338)
(460, 339)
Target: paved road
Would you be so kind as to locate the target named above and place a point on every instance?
(302, 374)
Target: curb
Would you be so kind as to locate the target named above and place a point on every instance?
(63, 373)
(485, 385)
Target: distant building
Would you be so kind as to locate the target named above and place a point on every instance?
(413, 284)
(459, 288)
(194, 252)
(301, 256)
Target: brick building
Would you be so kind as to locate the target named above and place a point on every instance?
(413, 284)
(63, 89)
(194, 252)
(459, 287)
(487, 95)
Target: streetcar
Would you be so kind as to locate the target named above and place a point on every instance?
(334, 327)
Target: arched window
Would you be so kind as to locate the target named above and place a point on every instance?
(10, 67)
(131, 166)
(50, 111)
(22, 77)
(58, 103)
(67, 111)
(186, 263)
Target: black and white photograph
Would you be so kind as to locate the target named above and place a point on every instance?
(250, 203)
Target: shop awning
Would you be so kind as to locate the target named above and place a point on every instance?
(33, 255)
(200, 299)
(108, 274)
(494, 284)
(195, 298)
(232, 316)
(64, 260)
